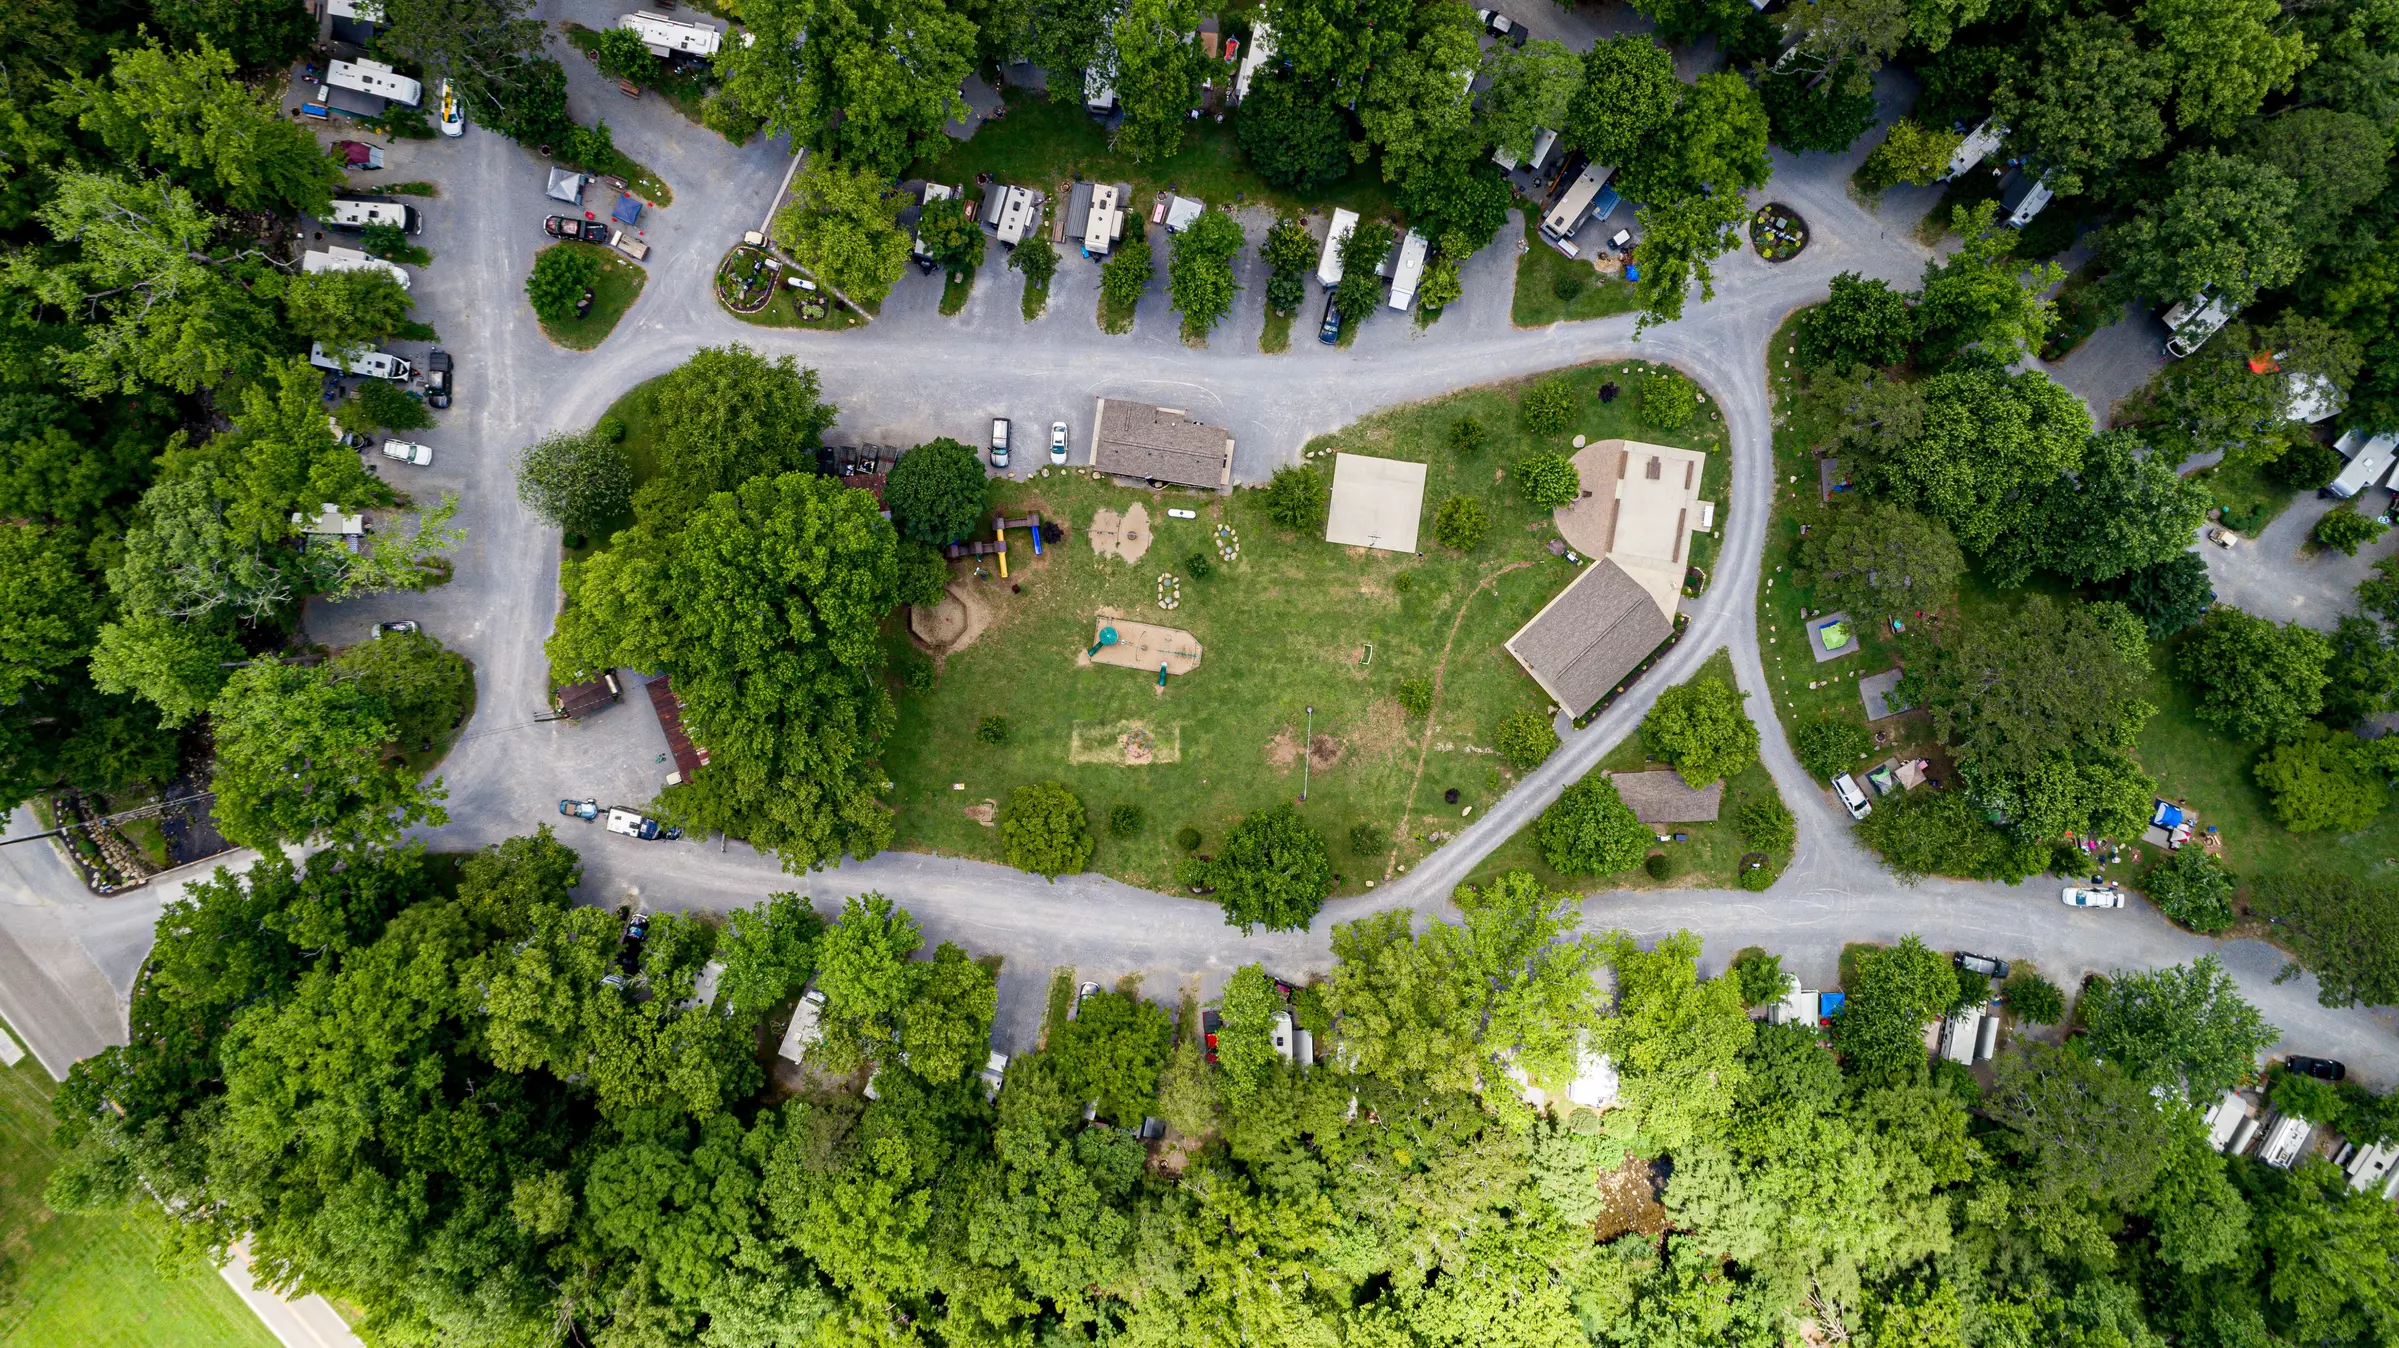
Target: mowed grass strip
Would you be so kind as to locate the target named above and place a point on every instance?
(620, 283)
(92, 1282)
(1295, 622)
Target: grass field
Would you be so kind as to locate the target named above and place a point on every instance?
(1276, 337)
(1709, 857)
(1552, 287)
(2249, 497)
(92, 1282)
(1294, 623)
(1043, 142)
(619, 285)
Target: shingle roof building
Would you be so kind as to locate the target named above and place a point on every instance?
(1661, 798)
(1584, 642)
(1160, 443)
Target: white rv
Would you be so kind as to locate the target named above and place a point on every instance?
(374, 77)
(378, 364)
(352, 214)
(1328, 267)
(350, 259)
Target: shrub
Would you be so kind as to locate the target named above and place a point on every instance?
(1925, 833)
(1668, 400)
(1549, 406)
(610, 429)
(2193, 888)
(1187, 838)
(561, 273)
(1760, 978)
(1366, 839)
(1589, 830)
(1198, 567)
(916, 670)
(1829, 747)
(993, 730)
(1699, 728)
(1758, 879)
(1525, 738)
(1973, 990)
(2347, 530)
(1909, 153)
(1660, 865)
(1404, 582)
(2307, 465)
(1297, 498)
(1273, 871)
(1468, 437)
(1548, 480)
(1124, 276)
(1046, 829)
(1461, 523)
(936, 492)
(2034, 999)
(1765, 824)
(1416, 696)
(1125, 819)
(924, 574)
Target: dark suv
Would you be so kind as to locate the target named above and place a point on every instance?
(437, 378)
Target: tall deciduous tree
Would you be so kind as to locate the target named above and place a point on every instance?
(301, 754)
(936, 492)
(580, 481)
(1156, 75)
(2224, 224)
(1700, 728)
(2257, 680)
(844, 226)
(2224, 58)
(2185, 1027)
(1293, 132)
(1899, 990)
(187, 112)
(2124, 508)
(2337, 161)
(1676, 1041)
(1986, 439)
(726, 416)
(1625, 103)
(1589, 830)
(1880, 561)
(1199, 272)
(1415, 106)
(1272, 871)
(2092, 98)
(1982, 296)
(1530, 88)
(2010, 695)
(873, 85)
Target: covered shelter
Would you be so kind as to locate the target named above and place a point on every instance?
(1377, 503)
(1639, 508)
(566, 185)
(1182, 212)
(1583, 644)
(1160, 444)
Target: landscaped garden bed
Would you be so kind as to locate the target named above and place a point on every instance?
(756, 287)
(1777, 232)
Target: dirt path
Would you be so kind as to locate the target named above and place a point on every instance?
(1399, 834)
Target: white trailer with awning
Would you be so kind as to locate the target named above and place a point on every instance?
(668, 37)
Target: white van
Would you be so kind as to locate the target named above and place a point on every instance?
(351, 214)
(1852, 799)
(379, 364)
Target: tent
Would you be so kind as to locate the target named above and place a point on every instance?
(628, 209)
(566, 186)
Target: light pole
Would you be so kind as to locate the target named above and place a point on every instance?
(1304, 744)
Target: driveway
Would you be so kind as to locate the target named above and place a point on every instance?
(2277, 575)
(915, 374)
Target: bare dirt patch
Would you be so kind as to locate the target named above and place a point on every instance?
(1125, 537)
(939, 624)
(1282, 752)
(1324, 751)
(1631, 1194)
(987, 814)
(1382, 731)
(1131, 744)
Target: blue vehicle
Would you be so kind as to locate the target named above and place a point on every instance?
(1329, 331)
(580, 809)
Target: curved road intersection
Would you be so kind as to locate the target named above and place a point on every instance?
(914, 374)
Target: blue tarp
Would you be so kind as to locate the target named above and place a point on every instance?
(628, 209)
(2167, 816)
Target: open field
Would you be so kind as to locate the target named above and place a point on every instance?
(92, 1282)
(1294, 623)
(1709, 856)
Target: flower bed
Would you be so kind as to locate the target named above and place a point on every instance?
(1777, 232)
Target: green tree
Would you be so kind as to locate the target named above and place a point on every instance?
(425, 689)
(1909, 153)
(1415, 107)
(1272, 871)
(764, 605)
(2317, 780)
(769, 950)
(177, 665)
(2224, 224)
(843, 226)
(2223, 59)
(48, 611)
(1549, 407)
(1530, 87)
(562, 274)
(579, 481)
(1861, 323)
(348, 311)
(1125, 275)
(949, 234)
(864, 970)
(1199, 272)
(726, 416)
(936, 492)
(2326, 1249)
(1828, 747)
(1297, 498)
(253, 32)
(1760, 978)
(945, 1029)
(1981, 296)
(1461, 522)
(1984, 441)
(2123, 509)
(2215, 401)
(1439, 289)
(2362, 677)
(1589, 830)
(2091, 100)
(1700, 728)
(1766, 825)
(2336, 160)
(1817, 111)
(1113, 1052)
(187, 112)
(1292, 133)
(1244, 1049)
(300, 754)
(1525, 738)
(1156, 75)
(1676, 1041)
(1037, 259)
(2256, 680)
(2091, 1142)
(1288, 250)
(1548, 480)
(2035, 999)
(2346, 530)
(2185, 1027)
(871, 87)
(622, 54)
(1900, 989)
(1046, 830)
(2343, 928)
(1361, 290)
(1680, 236)
(2011, 695)
(2170, 595)
(2193, 888)
(1880, 561)
(1668, 400)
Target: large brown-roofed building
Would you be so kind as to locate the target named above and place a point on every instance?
(1661, 798)
(1584, 642)
(1160, 444)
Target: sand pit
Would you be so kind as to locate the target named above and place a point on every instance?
(1125, 537)
(1144, 646)
(952, 625)
(1131, 744)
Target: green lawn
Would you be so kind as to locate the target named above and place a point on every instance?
(955, 287)
(1042, 143)
(1294, 622)
(620, 283)
(2249, 496)
(1710, 855)
(1552, 287)
(1277, 336)
(92, 1282)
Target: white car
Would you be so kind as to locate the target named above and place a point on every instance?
(999, 442)
(1852, 799)
(2083, 896)
(1058, 442)
(453, 110)
(2221, 536)
(408, 451)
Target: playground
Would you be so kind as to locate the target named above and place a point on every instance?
(1270, 623)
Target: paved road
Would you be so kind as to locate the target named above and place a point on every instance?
(2277, 574)
(915, 374)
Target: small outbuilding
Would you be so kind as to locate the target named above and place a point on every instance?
(1660, 797)
(1160, 444)
(1583, 644)
(566, 185)
(1377, 503)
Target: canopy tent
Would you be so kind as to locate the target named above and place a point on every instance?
(566, 186)
(628, 209)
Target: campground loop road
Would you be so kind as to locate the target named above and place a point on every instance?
(913, 374)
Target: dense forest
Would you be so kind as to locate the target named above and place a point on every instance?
(435, 1090)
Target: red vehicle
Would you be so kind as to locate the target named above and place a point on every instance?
(568, 227)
